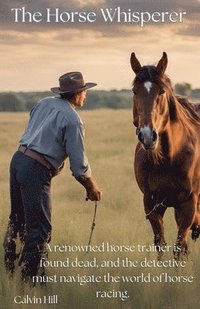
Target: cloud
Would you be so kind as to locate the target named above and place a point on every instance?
(192, 8)
(99, 50)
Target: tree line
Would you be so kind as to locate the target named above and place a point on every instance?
(24, 101)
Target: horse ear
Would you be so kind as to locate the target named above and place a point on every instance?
(135, 64)
(162, 64)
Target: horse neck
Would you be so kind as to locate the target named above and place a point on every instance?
(180, 129)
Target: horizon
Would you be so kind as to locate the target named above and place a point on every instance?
(99, 89)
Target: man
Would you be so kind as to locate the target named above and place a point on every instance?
(54, 132)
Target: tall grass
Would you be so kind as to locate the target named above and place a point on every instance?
(110, 143)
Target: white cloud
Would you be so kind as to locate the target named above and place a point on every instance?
(101, 51)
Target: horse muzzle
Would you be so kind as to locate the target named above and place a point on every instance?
(148, 137)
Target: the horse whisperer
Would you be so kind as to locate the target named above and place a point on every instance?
(54, 132)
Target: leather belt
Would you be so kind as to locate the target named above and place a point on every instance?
(37, 156)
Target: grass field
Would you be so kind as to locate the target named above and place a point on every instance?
(110, 143)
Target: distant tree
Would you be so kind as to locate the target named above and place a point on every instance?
(10, 102)
(195, 94)
(183, 89)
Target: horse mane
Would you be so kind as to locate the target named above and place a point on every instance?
(192, 108)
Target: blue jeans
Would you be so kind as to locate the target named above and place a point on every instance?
(30, 184)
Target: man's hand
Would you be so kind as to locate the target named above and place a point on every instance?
(92, 190)
(94, 194)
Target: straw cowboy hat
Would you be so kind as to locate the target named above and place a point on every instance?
(72, 82)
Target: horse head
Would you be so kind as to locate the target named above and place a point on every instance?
(150, 111)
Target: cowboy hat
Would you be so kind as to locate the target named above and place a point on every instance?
(72, 82)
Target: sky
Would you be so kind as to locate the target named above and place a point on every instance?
(34, 54)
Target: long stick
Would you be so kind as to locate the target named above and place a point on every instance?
(93, 224)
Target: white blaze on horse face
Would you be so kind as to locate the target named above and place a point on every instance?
(146, 131)
(146, 136)
(148, 86)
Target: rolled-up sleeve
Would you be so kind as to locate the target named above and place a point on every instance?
(75, 150)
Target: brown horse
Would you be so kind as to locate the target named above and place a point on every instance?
(167, 156)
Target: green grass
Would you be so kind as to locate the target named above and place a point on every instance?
(110, 143)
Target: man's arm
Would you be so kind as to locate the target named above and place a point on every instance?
(79, 164)
(93, 192)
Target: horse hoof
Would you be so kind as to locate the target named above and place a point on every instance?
(160, 245)
(180, 252)
(195, 232)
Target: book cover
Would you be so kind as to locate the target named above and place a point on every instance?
(101, 254)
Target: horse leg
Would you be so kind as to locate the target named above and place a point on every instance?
(156, 219)
(196, 224)
(184, 217)
(176, 214)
